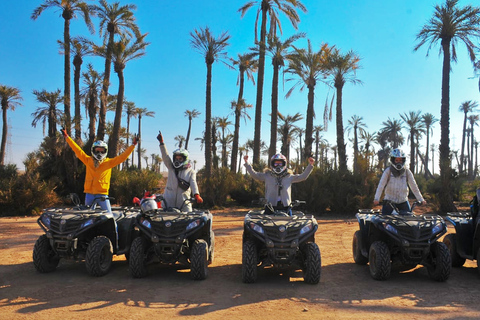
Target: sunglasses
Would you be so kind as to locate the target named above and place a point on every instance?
(100, 150)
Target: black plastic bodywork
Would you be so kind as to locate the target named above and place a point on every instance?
(467, 232)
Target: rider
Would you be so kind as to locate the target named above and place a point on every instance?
(395, 181)
(182, 179)
(99, 169)
(278, 180)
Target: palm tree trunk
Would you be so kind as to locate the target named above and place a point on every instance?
(104, 92)
(470, 163)
(236, 132)
(188, 132)
(309, 125)
(274, 116)
(412, 152)
(426, 151)
(342, 156)
(139, 147)
(445, 196)
(115, 137)
(77, 62)
(66, 94)
(4, 133)
(464, 132)
(208, 123)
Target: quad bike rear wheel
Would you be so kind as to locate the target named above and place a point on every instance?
(249, 262)
(440, 263)
(98, 259)
(313, 263)
(450, 241)
(44, 257)
(358, 257)
(138, 263)
(379, 261)
(199, 260)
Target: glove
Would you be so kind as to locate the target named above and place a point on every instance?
(64, 132)
(160, 137)
(198, 198)
(136, 138)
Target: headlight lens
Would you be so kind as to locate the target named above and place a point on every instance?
(256, 228)
(193, 224)
(46, 220)
(437, 228)
(87, 223)
(145, 223)
(306, 228)
(390, 228)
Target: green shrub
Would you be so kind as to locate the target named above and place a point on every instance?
(127, 184)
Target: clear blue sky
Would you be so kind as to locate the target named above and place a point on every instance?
(171, 77)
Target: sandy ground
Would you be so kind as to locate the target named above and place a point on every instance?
(345, 291)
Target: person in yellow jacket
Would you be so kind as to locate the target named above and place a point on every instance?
(99, 168)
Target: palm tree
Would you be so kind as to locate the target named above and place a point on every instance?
(428, 119)
(473, 120)
(433, 148)
(465, 107)
(70, 9)
(318, 139)
(268, 9)
(278, 51)
(141, 112)
(358, 127)
(449, 25)
(131, 111)
(114, 20)
(309, 67)
(93, 81)
(10, 99)
(190, 114)
(122, 53)
(343, 69)
(368, 138)
(287, 131)
(416, 128)
(213, 49)
(180, 140)
(222, 124)
(392, 132)
(50, 113)
(246, 66)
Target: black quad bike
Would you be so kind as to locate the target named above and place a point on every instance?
(465, 242)
(401, 241)
(170, 235)
(84, 233)
(281, 239)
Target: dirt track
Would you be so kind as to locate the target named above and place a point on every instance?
(345, 291)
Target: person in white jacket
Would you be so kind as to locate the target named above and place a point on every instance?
(181, 181)
(278, 180)
(395, 181)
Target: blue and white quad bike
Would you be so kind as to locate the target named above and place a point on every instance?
(401, 241)
(84, 233)
(465, 242)
(169, 235)
(281, 239)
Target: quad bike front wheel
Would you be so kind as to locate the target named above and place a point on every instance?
(137, 262)
(199, 260)
(44, 257)
(312, 264)
(379, 261)
(450, 241)
(249, 262)
(358, 257)
(98, 259)
(440, 263)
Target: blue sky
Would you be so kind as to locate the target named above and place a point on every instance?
(171, 77)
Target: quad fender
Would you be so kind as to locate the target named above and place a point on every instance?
(109, 229)
(465, 244)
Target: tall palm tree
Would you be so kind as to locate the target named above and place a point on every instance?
(278, 51)
(122, 53)
(428, 119)
(190, 114)
(10, 99)
(131, 111)
(449, 25)
(50, 113)
(318, 139)
(93, 82)
(70, 9)
(358, 126)
(416, 128)
(222, 124)
(287, 131)
(433, 148)
(180, 140)
(268, 9)
(392, 132)
(114, 20)
(310, 67)
(473, 121)
(141, 112)
(343, 68)
(465, 107)
(213, 49)
(368, 138)
(247, 65)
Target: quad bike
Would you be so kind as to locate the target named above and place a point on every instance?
(83, 233)
(400, 241)
(465, 242)
(170, 235)
(284, 239)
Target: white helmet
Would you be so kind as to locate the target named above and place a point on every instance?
(148, 204)
(397, 153)
(276, 167)
(99, 154)
(184, 154)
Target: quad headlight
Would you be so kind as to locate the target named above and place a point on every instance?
(306, 228)
(193, 224)
(390, 228)
(438, 228)
(256, 228)
(144, 222)
(87, 223)
(46, 220)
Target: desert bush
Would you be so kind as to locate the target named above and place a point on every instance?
(126, 184)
